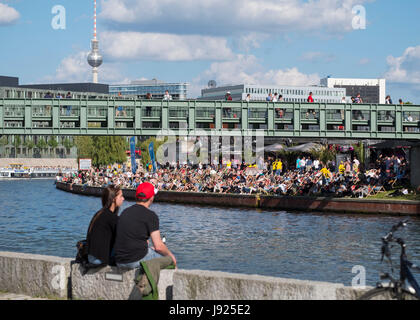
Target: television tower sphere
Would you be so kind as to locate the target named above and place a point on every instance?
(94, 58)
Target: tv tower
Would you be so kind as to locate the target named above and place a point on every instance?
(94, 57)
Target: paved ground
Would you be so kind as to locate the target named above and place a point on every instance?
(14, 296)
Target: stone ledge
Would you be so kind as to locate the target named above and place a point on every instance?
(215, 285)
(34, 275)
(113, 283)
(55, 277)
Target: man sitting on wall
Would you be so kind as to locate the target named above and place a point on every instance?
(135, 226)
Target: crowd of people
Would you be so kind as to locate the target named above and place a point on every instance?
(307, 178)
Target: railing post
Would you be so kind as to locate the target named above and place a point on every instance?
(218, 115)
(111, 108)
(398, 121)
(138, 107)
(347, 120)
(270, 119)
(322, 119)
(245, 120)
(165, 115)
(296, 119)
(1, 116)
(83, 115)
(374, 121)
(55, 115)
(28, 115)
(191, 115)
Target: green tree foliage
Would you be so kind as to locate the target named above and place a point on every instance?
(324, 155)
(41, 144)
(102, 150)
(17, 142)
(84, 146)
(52, 142)
(4, 141)
(29, 144)
(360, 152)
(67, 143)
(144, 147)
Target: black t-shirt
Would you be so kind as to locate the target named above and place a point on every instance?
(102, 236)
(135, 225)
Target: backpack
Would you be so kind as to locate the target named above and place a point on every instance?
(82, 252)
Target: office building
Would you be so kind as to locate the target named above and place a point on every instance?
(370, 90)
(260, 93)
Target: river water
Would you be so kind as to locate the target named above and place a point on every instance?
(37, 218)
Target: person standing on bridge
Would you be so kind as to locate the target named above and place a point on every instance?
(167, 96)
(135, 226)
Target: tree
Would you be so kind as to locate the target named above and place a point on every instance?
(360, 152)
(84, 147)
(108, 150)
(102, 150)
(41, 144)
(144, 147)
(4, 141)
(16, 143)
(52, 142)
(29, 144)
(68, 144)
(324, 155)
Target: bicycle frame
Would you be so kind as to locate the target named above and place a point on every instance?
(405, 265)
(406, 274)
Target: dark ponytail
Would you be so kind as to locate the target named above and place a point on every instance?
(108, 196)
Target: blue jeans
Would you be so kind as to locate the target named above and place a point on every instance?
(151, 254)
(93, 260)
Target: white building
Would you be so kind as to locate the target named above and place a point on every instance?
(370, 90)
(289, 93)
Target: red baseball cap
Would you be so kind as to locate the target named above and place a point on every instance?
(145, 191)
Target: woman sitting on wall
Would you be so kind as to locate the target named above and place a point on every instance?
(103, 226)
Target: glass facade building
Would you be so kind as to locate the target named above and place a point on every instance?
(139, 89)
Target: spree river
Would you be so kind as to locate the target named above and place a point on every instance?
(37, 218)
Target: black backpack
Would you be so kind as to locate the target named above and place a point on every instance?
(82, 252)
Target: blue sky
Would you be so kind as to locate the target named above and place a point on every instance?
(275, 42)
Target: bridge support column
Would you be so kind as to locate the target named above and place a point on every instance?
(415, 166)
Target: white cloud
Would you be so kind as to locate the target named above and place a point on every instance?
(74, 68)
(405, 69)
(167, 47)
(246, 42)
(246, 69)
(8, 15)
(231, 17)
(404, 72)
(316, 57)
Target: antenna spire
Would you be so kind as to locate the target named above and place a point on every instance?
(94, 57)
(94, 21)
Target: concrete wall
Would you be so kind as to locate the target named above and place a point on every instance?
(54, 277)
(214, 285)
(34, 275)
(112, 283)
(415, 166)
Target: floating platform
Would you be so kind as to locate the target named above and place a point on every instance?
(287, 203)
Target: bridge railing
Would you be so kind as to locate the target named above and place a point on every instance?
(147, 117)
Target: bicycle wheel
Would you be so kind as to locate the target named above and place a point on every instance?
(386, 294)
